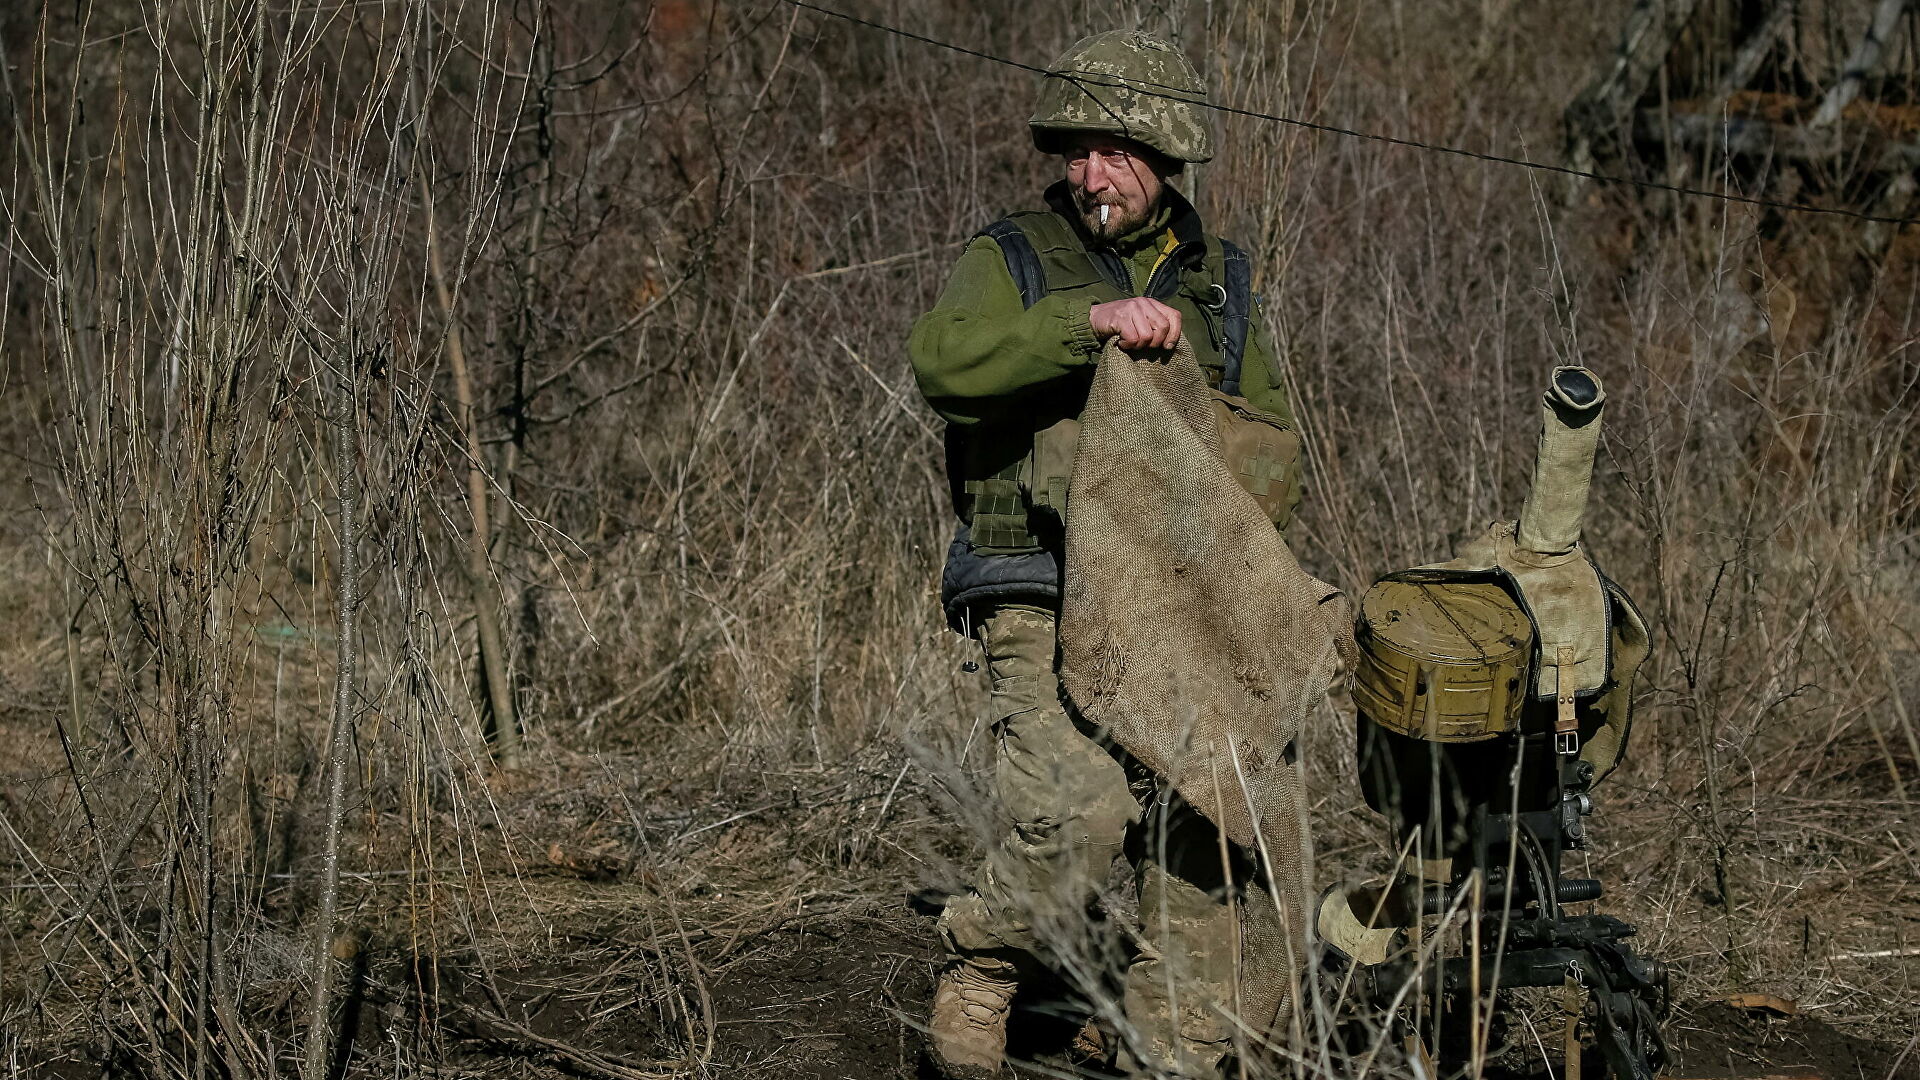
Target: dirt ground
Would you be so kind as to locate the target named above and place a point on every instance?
(822, 999)
(726, 962)
(1713, 1039)
(839, 997)
(639, 926)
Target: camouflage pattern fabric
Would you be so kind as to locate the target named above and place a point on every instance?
(1205, 917)
(1063, 797)
(1070, 804)
(1128, 84)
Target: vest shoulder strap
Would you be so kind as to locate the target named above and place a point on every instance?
(1044, 256)
(1023, 262)
(1236, 313)
(1016, 235)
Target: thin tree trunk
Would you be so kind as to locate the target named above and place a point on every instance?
(1600, 119)
(521, 409)
(1753, 50)
(486, 599)
(346, 452)
(1866, 57)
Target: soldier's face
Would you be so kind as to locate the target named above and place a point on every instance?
(1118, 174)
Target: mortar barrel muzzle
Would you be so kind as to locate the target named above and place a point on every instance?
(1550, 519)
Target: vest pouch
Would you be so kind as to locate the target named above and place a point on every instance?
(1018, 494)
(1049, 469)
(1263, 452)
(990, 465)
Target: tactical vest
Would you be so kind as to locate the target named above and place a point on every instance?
(1009, 481)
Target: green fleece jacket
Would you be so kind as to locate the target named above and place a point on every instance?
(980, 353)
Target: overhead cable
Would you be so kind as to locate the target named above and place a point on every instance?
(1083, 79)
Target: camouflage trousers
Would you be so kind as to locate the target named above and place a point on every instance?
(1071, 803)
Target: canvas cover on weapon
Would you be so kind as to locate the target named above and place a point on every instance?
(1451, 651)
(1493, 691)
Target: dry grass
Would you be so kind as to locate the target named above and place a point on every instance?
(687, 242)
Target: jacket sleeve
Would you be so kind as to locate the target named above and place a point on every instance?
(979, 352)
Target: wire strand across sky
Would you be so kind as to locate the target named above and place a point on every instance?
(1368, 136)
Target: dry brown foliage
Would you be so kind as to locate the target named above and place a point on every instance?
(682, 243)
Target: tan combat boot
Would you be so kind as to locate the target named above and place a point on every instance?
(967, 1033)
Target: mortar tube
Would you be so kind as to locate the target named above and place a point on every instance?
(1563, 464)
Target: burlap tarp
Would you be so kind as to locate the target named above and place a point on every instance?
(1188, 630)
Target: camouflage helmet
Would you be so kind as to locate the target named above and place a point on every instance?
(1129, 84)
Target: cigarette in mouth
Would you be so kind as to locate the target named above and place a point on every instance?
(1104, 209)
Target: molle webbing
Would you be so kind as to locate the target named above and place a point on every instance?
(999, 513)
(1000, 488)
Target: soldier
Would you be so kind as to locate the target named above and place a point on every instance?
(1006, 358)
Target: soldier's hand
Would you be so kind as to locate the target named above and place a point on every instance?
(1138, 323)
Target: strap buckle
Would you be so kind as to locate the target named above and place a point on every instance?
(1566, 728)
